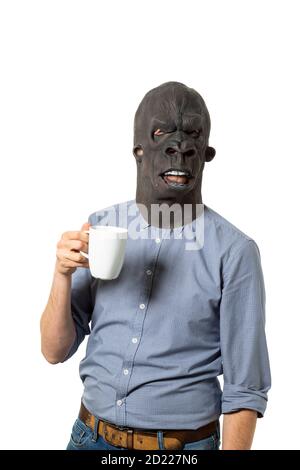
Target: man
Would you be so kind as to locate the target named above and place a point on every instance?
(187, 306)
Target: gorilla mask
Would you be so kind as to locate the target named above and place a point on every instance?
(171, 133)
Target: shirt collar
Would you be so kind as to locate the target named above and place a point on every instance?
(144, 224)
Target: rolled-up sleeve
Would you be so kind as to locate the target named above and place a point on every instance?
(245, 360)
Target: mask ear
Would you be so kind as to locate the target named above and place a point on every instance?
(138, 152)
(209, 154)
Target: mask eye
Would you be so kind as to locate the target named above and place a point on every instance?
(195, 133)
(158, 132)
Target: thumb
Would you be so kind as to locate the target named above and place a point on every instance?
(85, 226)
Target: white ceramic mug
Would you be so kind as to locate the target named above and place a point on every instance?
(106, 254)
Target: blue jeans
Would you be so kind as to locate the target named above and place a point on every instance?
(83, 438)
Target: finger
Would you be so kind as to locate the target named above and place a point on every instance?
(71, 256)
(84, 236)
(85, 247)
(85, 226)
(81, 236)
(76, 245)
(72, 235)
(73, 264)
(77, 257)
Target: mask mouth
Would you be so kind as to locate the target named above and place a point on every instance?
(177, 177)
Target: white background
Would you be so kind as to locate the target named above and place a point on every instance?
(72, 75)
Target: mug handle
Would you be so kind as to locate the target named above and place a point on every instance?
(82, 252)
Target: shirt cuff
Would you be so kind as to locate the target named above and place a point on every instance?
(237, 397)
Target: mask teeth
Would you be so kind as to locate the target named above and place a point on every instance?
(176, 173)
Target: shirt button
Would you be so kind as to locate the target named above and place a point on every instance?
(157, 240)
(142, 306)
(149, 272)
(134, 340)
(125, 371)
(119, 402)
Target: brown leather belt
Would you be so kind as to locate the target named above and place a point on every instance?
(143, 439)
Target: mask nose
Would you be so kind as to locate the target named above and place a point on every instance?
(179, 149)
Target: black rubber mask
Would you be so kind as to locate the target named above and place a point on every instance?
(171, 132)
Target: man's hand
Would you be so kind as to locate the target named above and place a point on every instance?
(68, 251)
(58, 330)
(238, 430)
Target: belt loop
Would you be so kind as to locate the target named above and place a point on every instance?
(95, 432)
(160, 438)
(129, 436)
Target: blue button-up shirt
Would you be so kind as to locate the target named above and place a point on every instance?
(170, 324)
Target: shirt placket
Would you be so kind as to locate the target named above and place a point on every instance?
(155, 242)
